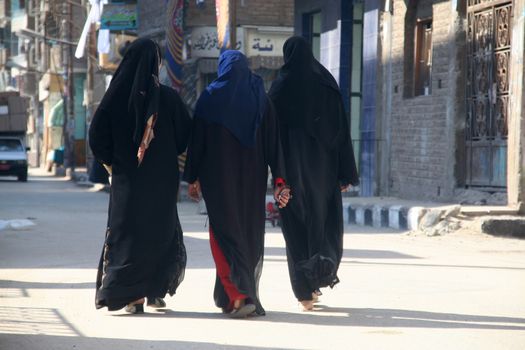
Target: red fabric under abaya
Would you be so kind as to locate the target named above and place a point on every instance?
(222, 265)
(223, 270)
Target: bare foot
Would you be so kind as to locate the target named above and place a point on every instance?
(308, 305)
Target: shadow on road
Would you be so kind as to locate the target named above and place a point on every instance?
(362, 317)
(351, 253)
(19, 341)
(7, 284)
(369, 317)
(436, 265)
(28, 320)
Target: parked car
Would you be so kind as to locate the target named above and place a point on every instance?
(13, 157)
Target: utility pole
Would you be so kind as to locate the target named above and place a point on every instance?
(38, 76)
(69, 96)
(90, 86)
(233, 24)
(71, 90)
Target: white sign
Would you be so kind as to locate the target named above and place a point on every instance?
(4, 110)
(18, 22)
(204, 42)
(263, 42)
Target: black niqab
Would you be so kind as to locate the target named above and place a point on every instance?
(300, 78)
(143, 252)
(136, 80)
(319, 159)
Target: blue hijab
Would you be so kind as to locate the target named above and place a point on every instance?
(236, 99)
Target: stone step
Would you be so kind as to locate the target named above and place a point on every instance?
(504, 226)
(478, 210)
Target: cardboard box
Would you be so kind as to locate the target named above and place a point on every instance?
(13, 112)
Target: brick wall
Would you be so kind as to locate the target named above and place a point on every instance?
(152, 14)
(249, 12)
(151, 17)
(420, 155)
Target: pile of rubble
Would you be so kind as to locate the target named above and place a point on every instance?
(446, 220)
(439, 221)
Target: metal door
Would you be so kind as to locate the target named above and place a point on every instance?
(488, 58)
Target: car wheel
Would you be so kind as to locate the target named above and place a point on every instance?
(22, 177)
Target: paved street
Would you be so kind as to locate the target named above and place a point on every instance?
(396, 292)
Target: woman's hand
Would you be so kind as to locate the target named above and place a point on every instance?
(194, 191)
(282, 195)
(345, 188)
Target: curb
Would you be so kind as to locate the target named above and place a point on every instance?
(394, 216)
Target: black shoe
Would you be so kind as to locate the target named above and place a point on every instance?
(157, 303)
(135, 308)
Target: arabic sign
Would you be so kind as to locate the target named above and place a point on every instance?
(262, 43)
(122, 16)
(204, 42)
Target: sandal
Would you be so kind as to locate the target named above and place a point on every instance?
(315, 298)
(156, 303)
(136, 307)
(315, 295)
(241, 309)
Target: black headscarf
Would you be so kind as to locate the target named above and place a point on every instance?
(236, 99)
(136, 82)
(302, 91)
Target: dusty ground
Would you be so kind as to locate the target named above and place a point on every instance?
(459, 291)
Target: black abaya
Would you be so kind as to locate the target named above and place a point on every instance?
(233, 179)
(319, 160)
(144, 253)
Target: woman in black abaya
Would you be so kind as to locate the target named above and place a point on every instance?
(234, 140)
(137, 133)
(319, 165)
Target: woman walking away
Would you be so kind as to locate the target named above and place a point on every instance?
(234, 139)
(319, 165)
(137, 133)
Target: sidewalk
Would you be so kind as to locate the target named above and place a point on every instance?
(434, 217)
(401, 214)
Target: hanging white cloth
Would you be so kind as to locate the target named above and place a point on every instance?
(103, 35)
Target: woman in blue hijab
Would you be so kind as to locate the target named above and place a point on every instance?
(234, 139)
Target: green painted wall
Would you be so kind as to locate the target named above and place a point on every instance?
(80, 109)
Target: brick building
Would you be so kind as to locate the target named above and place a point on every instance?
(34, 51)
(434, 90)
(334, 29)
(262, 28)
(152, 19)
(422, 86)
(449, 97)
